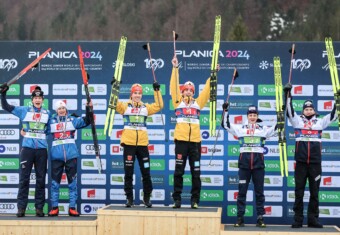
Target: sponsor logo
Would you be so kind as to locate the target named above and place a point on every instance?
(86, 134)
(93, 194)
(93, 179)
(95, 89)
(266, 90)
(65, 89)
(29, 88)
(88, 149)
(8, 119)
(157, 164)
(211, 195)
(117, 164)
(8, 64)
(154, 64)
(9, 134)
(273, 181)
(242, 90)
(232, 211)
(9, 163)
(272, 165)
(9, 149)
(301, 64)
(118, 194)
(325, 90)
(91, 164)
(28, 102)
(329, 196)
(90, 208)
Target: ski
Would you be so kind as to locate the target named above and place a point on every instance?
(147, 47)
(280, 117)
(213, 77)
(34, 63)
(111, 110)
(88, 97)
(235, 75)
(334, 74)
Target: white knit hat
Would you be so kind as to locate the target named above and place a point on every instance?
(59, 104)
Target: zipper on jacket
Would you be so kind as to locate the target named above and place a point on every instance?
(251, 160)
(136, 137)
(189, 132)
(308, 153)
(64, 153)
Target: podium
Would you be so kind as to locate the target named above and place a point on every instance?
(158, 220)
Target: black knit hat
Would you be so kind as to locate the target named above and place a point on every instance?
(37, 92)
(308, 104)
(252, 109)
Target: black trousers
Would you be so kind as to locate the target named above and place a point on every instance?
(142, 153)
(183, 151)
(257, 175)
(312, 172)
(28, 158)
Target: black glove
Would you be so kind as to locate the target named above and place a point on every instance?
(225, 106)
(75, 115)
(156, 86)
(287, 88)
(4, 88)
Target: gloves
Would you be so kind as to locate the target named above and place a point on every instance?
(287, 88)
(156, 86)
(225, 106)
(4, 88)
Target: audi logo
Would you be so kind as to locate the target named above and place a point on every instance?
(7, 206)
(91, 147)
(7, 132)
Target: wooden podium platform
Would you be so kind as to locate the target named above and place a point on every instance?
(158, 220)
(118, 220)
(61, 225)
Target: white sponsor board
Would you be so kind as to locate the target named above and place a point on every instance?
(212, 180)
(156, 195)
(9, 119)
(273, 211)
(29, 88)
(273, 196)
(9, 178)
(118, 194)
(8, 208)
(302, 90)
(291, 196)
(91, 164)
(9, 149)
(8, 193)
(98, 104)
(325, 90)
(71, 104)
(65, 89)
(90, 208)
(325, 105)
(9, 134)
(118, 179)
(206, 150)
(93, 179)
(232, 195)
(273, 181)
(88, 149)
(14, 102)
(266, 105)
(220, 89)
(95, 89)
(216, 165)
(241, 90)
(93, 194)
